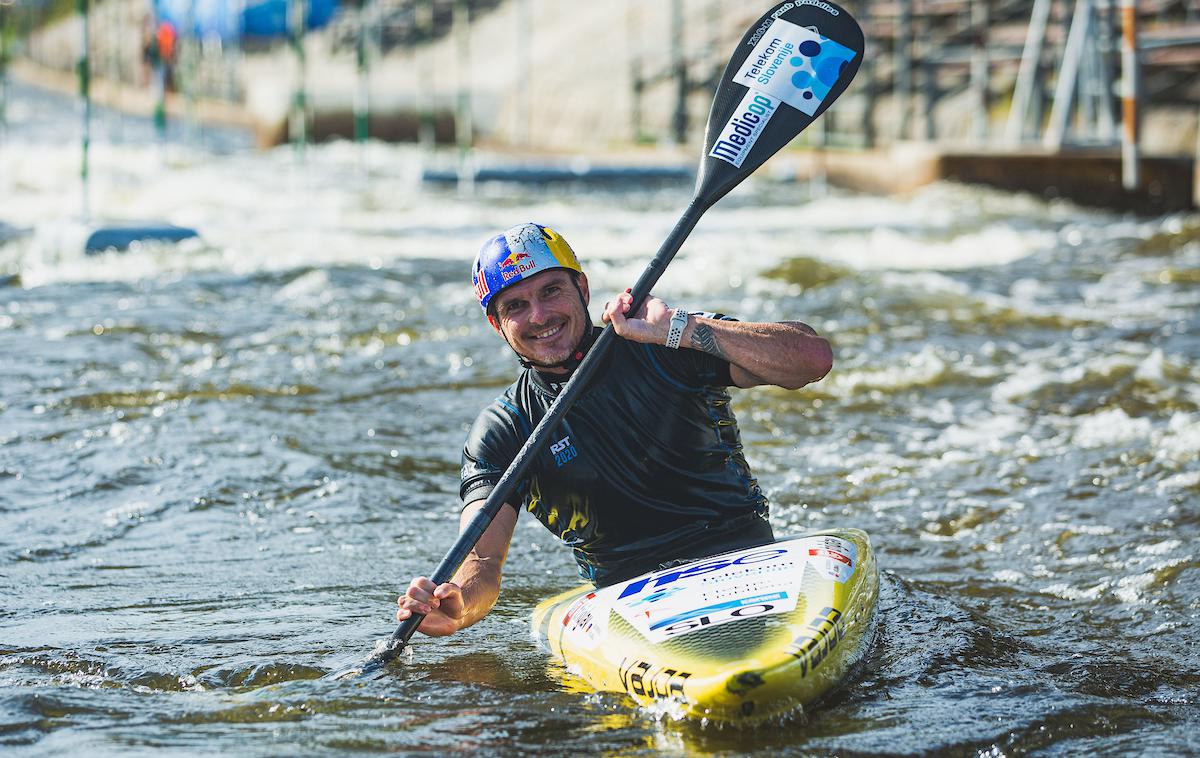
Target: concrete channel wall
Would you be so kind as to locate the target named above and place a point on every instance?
(548, 78)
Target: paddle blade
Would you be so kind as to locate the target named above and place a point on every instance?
(788, 69)
(376, 665)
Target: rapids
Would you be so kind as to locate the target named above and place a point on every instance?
(220, 462)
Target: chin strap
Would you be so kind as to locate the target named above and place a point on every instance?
(571, 362)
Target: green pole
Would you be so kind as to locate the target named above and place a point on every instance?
(298, 131)
(463, 127)
(184, 75)
(679, 119)
(524, 36)
(426, 133)
(362, 103)
(84, 93)
(3, 65)
(158, 73)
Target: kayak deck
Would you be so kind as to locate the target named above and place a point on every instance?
(738, 637)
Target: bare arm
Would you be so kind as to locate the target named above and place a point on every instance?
(472, 592)
(787, 354)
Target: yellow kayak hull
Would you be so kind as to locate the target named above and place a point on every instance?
(735, 638)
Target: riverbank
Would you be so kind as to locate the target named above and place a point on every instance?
(1089, 177)
(135, 101)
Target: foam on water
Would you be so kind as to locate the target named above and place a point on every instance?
(1180, 442)
(1110, 428)
(273, 210)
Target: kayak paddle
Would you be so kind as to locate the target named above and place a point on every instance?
(787, 70)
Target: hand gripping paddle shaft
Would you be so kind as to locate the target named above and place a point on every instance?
(787, 70)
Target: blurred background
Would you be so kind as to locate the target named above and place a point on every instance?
(241, 353)
(1094, 100)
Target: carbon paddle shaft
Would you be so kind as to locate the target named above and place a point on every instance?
(539, 437)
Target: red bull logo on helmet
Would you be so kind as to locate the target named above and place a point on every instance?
(516, 264)
(514, 259)
(512, 266)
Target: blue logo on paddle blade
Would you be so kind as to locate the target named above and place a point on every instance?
(795, 64)
(819, 65)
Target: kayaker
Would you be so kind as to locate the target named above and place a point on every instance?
(646, 468)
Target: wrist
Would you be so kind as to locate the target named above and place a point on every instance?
(679, 322)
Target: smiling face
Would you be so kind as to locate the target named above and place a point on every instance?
(542, 317)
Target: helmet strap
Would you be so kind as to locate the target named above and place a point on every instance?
(571, 362)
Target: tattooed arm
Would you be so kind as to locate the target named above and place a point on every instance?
(786, 354)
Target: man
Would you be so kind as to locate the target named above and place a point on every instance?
(647, 468)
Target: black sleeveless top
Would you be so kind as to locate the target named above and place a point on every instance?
(646, 463)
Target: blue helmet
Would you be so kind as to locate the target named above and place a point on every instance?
(517, 254)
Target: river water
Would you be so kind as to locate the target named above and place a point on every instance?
(220, 462)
